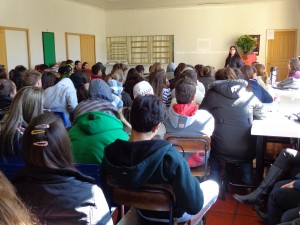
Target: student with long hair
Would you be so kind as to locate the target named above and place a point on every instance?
(12, 209)
(50, 185)
(159, 83)
(27, 104)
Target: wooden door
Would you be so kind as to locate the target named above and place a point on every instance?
(87, 49)
(280, 50)
(3, 58)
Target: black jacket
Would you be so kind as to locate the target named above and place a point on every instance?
(234, 62)
(233, 108)
(134, 164)
(62, 196)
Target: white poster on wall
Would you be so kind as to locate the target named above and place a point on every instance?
(270, 34)
(74, 47)
(16, 48)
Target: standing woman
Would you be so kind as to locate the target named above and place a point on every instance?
(49, 185)
(27, 104)
(159, 84)
(233, 59)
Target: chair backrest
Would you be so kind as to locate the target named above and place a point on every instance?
(92, 170)
(11, 169)
(62, 116)
(154, 197)
(192, 144)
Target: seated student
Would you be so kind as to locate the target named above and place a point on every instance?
(62, 97)
(132, 79)
(200, 89)
(33, 78)
(208, 76)
(12, 209)
(78, 65)
(170, 70)
(234, 107)
(142, 160)
(140, 70)
(286, 165)
(96, 124)
(17, 76)
(283, 202)
(158, 81)
(294, 68)
(7, 92)
(27, 104)
(184, 118)
(97, 72)
(249, 73)
(79, 84)
(116, 89)
(50, 185)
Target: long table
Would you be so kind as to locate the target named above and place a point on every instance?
(279, 123)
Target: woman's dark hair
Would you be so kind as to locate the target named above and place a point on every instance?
(238, 73)
(48, 79)
(199, 70)
(46, 143)
(248, 71)
(132, 79)
(146, 112)
(236, 54)
(179, 69)
(209, 71)
(226, 73)
(158, 82)
(83, 65)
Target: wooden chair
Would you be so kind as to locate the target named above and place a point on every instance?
(154, 197)
(193, 144)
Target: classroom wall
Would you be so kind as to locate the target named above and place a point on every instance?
(203, 34)
(56, 16)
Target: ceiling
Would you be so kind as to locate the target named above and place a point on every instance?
(146, 4)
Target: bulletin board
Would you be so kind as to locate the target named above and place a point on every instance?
(49, 48)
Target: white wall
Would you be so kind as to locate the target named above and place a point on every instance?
(203, 34)
(54, 16)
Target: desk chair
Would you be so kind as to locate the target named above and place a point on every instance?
(154, 197)
(193, 144)
(92, 170)
(229, 179)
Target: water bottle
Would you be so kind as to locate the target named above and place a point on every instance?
(273, 75)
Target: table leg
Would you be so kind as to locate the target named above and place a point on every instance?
(259, 158)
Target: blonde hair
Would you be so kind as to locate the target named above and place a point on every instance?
(27, 104)
(12, 210)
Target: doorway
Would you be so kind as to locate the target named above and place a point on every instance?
(81, 47)
(280, 50)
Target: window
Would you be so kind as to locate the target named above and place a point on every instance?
(141, 49)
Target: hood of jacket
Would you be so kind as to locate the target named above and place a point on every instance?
(97, 122)
(99, 89)
(179, 120)
(134, 163)
(233, 89)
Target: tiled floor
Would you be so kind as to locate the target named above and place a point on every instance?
(231, 212)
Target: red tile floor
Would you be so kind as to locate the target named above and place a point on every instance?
(231, 212)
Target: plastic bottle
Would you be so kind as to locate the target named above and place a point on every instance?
(273, 75)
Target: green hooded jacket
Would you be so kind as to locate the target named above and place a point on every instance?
(91, 133)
